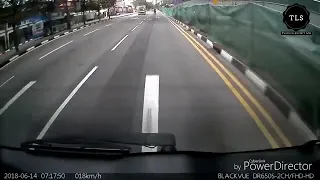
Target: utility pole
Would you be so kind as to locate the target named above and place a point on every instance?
(68, 14)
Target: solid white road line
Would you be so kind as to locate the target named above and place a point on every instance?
(6, 81)
(134, 28)
(14, 57)
(91, 32)
(43, 42)
(119, 42)
(150, 108)
(24, 89)
(30, 48)
(55, 50)
(65, 102)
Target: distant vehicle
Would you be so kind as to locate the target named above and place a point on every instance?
(142, 10)
(130, 10)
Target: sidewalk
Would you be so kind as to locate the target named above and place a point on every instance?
(11, 54)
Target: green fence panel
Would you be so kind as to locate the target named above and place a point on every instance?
(290, 64)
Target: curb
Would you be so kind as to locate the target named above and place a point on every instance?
(16, 55)
(283, 105)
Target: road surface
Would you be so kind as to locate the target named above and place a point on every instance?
(132, 74)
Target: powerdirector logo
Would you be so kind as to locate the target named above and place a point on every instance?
(296, 17)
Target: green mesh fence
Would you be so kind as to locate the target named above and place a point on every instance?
(290, 64)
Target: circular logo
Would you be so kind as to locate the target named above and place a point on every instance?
(296, 17)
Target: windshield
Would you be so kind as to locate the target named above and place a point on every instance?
(221, 75)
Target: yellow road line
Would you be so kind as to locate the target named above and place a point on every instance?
(254, 116)
(284, 139)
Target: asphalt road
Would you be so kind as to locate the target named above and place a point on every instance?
(132, 74)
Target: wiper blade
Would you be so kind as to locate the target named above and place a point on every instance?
(96, 149)
(110, 143)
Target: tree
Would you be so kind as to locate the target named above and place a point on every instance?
(139, 2)
(101, 4)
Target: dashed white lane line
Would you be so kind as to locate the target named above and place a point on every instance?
(6, 81)
(134, 28)
(107, 25)
(91, 32)
(150, 108)
(119, 42)
(55, 50)
(15, 97)
(55, 37)
(65, 102)
(141, 22)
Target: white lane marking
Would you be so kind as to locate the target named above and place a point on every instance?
(55, 37)
(107, 25)
(14, 57)
(30, 48)
(55, 49)
(119, 42)
(75, 30)
(150, 108)
(66, 33)
(15, 97)
(141, 22)
(226, 55)
(43, 42)
(91, 32)
(134, 28)
(65, 102)
(6, 81)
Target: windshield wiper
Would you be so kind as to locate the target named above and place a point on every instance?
(110, 143)
(75, 148)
